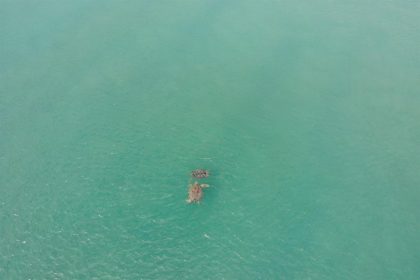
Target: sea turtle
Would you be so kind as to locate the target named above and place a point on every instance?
(195, 192)
(200, 173)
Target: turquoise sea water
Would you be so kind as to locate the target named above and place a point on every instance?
(307, 113)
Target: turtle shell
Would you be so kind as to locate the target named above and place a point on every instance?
(195, 193)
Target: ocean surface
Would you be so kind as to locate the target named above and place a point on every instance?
(307, 114)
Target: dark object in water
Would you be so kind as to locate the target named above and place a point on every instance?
(200, 173)
(195, 192)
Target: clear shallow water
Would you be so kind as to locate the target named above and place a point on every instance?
(306, 113)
